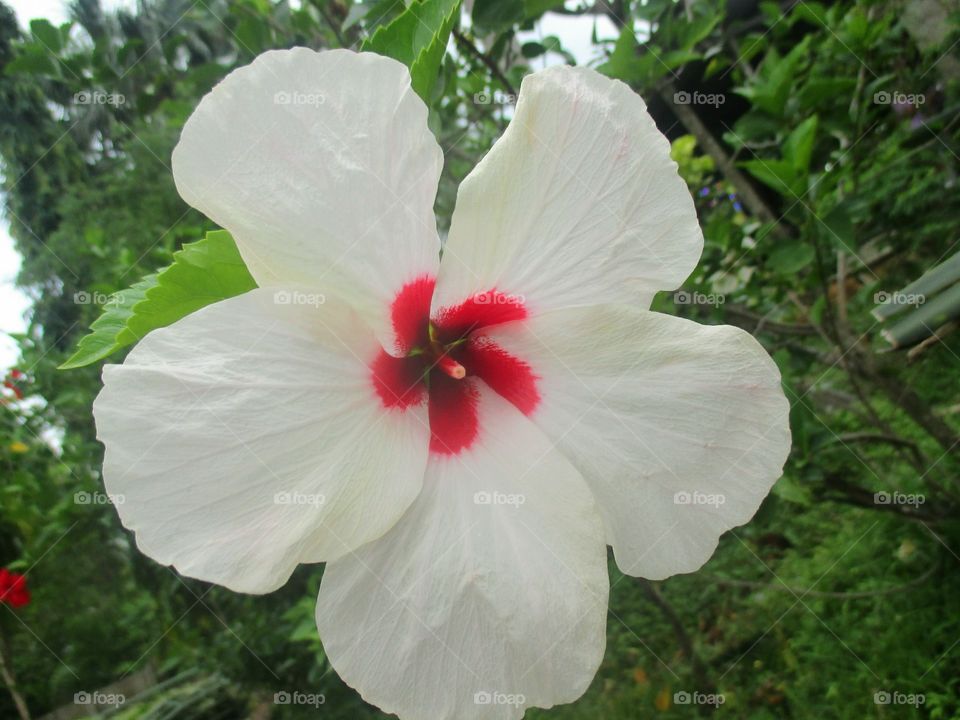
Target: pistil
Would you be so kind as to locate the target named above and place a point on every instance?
(451, 367)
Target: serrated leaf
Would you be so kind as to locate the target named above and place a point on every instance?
(109, 331)
(417, 37)
(202, 273)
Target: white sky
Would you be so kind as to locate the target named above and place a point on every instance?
(574, 33)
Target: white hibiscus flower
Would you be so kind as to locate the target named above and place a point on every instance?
(458, 440)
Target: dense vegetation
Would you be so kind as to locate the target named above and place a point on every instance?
(821, 144)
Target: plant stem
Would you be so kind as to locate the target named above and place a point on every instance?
(6, 672)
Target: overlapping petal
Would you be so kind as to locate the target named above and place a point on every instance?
(578, 202)
(248, 438)
(323, 169)
(679, 429)
(489, 595)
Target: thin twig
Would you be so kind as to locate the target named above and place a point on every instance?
(6, 672)
(686, 644)
(467, 44)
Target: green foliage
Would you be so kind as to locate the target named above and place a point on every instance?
(418, 38)
(201, 273)
(836, 196)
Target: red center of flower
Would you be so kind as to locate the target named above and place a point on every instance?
(444, 357)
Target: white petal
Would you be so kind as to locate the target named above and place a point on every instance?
(247, 438)
(647, 406)
(578, 202)
(322, 167)
(467, 599)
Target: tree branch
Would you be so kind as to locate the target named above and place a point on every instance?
(467, 44)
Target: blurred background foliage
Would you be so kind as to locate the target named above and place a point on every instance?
(821, 143)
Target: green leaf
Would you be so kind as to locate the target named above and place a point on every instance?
(791, 257)
(202, 273)
(33, 59)
(532, 49)
(837, 227)
(109, 332)
(417, 37)
(625, 63)
(779, 175)
(494, 16)
(798, 147)
(47, 34)
(535, 8)
(687, 34)
(818, 90)
(771, 88)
